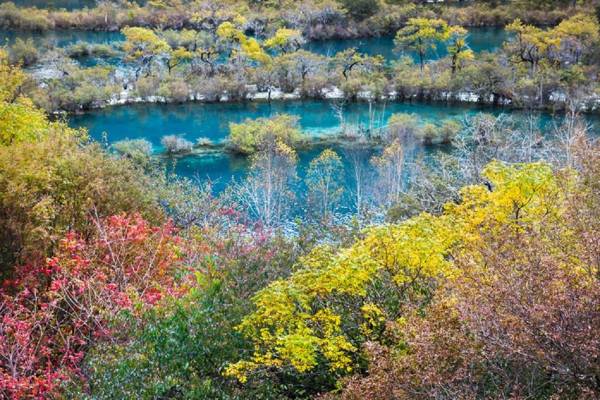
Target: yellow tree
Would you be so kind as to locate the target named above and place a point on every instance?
(285, 40)
(532, 44)
(458, 48)
(338, 300)
(142, 46)
(20, 120)
(578, 34)
(249, 47)
(422, 35)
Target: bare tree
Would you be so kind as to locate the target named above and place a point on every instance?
(267, 192)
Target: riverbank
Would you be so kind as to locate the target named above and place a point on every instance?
(330, 20)
(558, 101)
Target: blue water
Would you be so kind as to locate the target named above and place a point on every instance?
(479, 39)
(59, 4)
(62, 38)
(196, 120)
(211, 120)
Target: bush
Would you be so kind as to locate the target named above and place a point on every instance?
(126, 265)
(449, 130)
(138, 150)
(401, 126)
(24, 52)
(251, 136)
(146, 86)
(83, 49)
(174, 144)
(428, 133)
(55, 185)
(175, 90)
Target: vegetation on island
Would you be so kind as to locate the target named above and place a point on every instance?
(550, 67)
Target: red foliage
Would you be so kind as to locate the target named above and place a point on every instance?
(55, 309)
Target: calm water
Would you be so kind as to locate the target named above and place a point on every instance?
(57, 4)
(62, 38)
(196, 120)
(211, 120)
(479, 39)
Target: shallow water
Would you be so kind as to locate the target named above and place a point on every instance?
(479, 39)
(62, 38)
(58, 4)
(211, 120)
(198, 120)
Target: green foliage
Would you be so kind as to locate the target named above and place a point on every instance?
(56, 184)
(360, 9)
(23, 52)
(402, 126)
(251, 136)
(179, 350)
(20, 120)
(138, 150)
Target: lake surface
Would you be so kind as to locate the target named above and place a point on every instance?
(58, 4)
(62, 38)
(197, 120)
(479, 39)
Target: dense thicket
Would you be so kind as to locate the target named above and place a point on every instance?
(475, 278)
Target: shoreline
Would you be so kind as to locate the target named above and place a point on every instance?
(590, 105)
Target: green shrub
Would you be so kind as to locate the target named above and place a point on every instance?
(401, 126)
(57, 184)
(251, 136)
(138, 150)
(24, 52)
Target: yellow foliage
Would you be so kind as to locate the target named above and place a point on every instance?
(249, 47)
(302, 319)
(20, 120)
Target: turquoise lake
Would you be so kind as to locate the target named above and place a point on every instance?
(57, 4)
(479, 39)
(197, 120)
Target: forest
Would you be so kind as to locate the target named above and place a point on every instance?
(300, 200)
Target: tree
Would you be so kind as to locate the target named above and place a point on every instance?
(267, 191)
(422, 35)
(142, 46)
(532, 44)
(360, 9)
(285, 40)
(350, 59)
(519, 315)
(578, 35)
(389, 166)
(20, 120)
(178, 56)
(241, 44)
(457, 47)
(336, 301)
(24, 52)
(325, 183)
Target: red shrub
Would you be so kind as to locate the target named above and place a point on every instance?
(64, 304)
